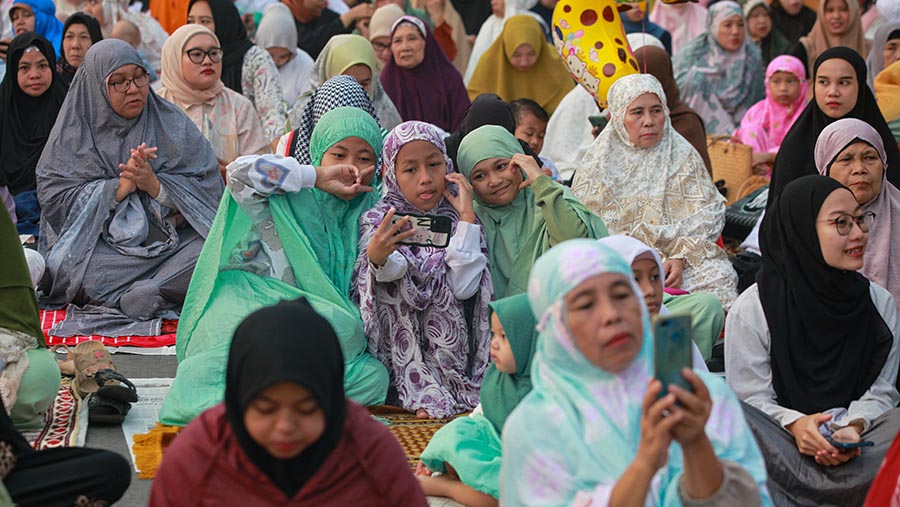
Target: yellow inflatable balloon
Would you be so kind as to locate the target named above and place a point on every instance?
(591, 40)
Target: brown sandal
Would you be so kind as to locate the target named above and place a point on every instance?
(90, 357)
(66, 367)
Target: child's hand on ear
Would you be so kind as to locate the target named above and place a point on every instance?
(463, 201)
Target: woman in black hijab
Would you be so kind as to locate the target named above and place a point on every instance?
(246, 68)
(812, 348)
(26, 118)
(794, 20)
(80, 32)
(286, 434)
(796, 159)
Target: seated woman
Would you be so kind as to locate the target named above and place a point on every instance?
(80, 32)
(685, 121)
(30, 99)
(420, 80)
(524, 213)
(277, 34)
(707, 316)
(466, 452)
(520, 63)
(811, 348)
(285, 433)
(109, 12)
(339, 91)
(837, 24)
(644, 180)
(593, 370)
(851, 152)
(351, 55)
(380, 32)
(766, 123)
(279, 239)
(720, 73)
(839, 91)
(425, 309)
(885, 50)
(29, 375)
(246, 68)
(37, 16)
(129, 188)
(771, 42)
(192, 68)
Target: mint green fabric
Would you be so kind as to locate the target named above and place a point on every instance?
(894, 125)
(38, 389)
(540, 216)
(320, 233)
(707, 317)
(471, 445)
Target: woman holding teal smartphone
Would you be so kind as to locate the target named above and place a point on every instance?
(593, 417)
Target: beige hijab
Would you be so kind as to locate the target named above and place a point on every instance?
(172, 73)
(819, 39)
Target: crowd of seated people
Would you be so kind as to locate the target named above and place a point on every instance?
(349, 204)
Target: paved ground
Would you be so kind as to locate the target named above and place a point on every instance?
(112, 438)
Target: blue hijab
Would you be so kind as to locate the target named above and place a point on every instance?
(578, 430)
(45, 22)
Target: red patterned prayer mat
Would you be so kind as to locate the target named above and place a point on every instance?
(49, 318)
(65, 423)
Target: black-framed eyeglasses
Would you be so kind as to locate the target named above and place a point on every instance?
(139, 81)
(197, 55)
(844, 223)
(380, 46)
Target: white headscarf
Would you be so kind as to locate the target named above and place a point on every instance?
(277, 29)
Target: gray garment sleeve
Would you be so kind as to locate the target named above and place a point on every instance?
(738, 489)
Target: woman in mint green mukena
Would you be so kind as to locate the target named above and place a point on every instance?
(279, 239)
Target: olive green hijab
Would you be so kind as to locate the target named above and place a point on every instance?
(18, 304)
(517, 233)
(501, 392)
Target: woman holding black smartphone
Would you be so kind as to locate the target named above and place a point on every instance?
(594, 428)
(812, 348)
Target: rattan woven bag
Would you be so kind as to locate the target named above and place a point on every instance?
(731, 161)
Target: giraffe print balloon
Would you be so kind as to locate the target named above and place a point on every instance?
(591, 40)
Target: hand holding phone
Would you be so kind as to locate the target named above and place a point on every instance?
(429, 230)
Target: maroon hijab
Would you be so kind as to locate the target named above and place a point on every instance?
(433, 91)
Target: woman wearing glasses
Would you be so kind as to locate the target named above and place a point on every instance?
(129, 188)
(851, 151)
(811, 348)
(192, 71)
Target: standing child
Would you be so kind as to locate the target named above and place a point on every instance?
(467, 450)
(531, 127)
(425, 308)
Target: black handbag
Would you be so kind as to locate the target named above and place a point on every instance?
(741, 216)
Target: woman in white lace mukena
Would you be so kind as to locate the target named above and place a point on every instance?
(646, 181)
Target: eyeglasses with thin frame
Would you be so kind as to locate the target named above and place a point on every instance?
(197, 55)
(844, 223)
(139, 81)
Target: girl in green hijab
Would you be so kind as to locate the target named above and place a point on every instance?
(522, 210)
(467, 450)
(275, 238)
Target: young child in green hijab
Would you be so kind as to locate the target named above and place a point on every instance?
(467, 450)
(523, 211)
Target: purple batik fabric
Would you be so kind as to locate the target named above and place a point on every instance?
(435, 351)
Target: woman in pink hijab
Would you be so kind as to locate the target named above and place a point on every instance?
(768, 121)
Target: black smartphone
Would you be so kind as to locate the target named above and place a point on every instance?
(849, 445)
(431, 230)
(672, 338)
(598, 121)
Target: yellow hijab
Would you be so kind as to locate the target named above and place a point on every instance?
(887, 91)
(341, 53)
(546, 83)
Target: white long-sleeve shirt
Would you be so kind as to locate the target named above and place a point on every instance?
(749, 372)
